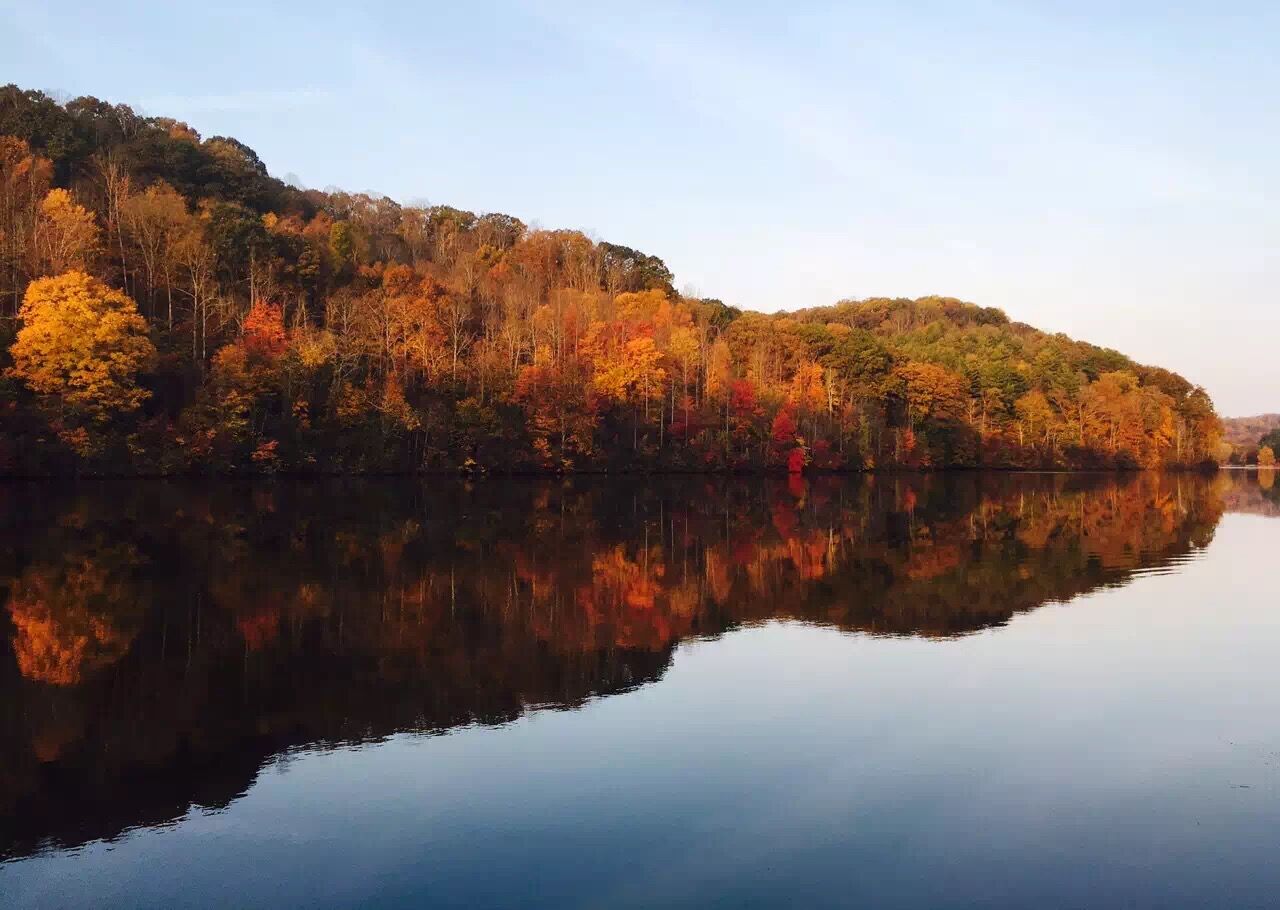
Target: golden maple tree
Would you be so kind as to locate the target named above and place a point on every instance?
(82, 344)
(66, 233)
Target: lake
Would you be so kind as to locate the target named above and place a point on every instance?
(956, 690)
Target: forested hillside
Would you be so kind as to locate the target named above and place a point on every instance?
(1248, 436)
(168, 306)
(1246, 431)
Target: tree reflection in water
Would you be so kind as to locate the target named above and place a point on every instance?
(168, 639)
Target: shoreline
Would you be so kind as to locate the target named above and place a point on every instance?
(665, 472)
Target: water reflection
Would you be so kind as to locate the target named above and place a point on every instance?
(168, 639)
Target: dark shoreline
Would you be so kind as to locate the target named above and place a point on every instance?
(663, 472)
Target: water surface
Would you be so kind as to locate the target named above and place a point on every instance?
(940, 691)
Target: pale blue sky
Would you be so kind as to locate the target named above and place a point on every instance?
(1107, 170)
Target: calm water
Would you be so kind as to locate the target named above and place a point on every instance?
(949, 691)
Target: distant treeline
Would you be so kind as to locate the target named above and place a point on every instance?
(166, 305)
(1253, 440)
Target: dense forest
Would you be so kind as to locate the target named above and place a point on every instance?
(167, 306)
(169, 638)
(1253, 440)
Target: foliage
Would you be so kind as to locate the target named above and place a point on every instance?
(82, 344)
(66, 234)
(298, 330)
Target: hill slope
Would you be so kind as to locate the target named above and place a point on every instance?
(1247, 431)
(184, 310)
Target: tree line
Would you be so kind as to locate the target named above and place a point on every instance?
(168, 306)
(1253, 440)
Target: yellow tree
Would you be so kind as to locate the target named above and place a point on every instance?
(808, 394)
(197, 265)
(683, 348)
(632, 374)
(1036, 418)
(24, 180)
(157, 221)
(66, 234)
(415, 334)
(1112, 403)
(82, 344)
(931, 392)
(1266, 457)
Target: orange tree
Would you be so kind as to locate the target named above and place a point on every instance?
(81, 347)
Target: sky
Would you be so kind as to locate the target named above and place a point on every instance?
(1107, 170)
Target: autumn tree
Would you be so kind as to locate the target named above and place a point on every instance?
(931, 392)
(157, 222)
(82, 346)
(783, 441)
(196, 267)
(24, 181)
(1036, 419)
(66, 234)
(561, 413)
